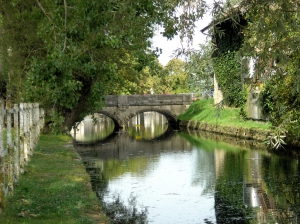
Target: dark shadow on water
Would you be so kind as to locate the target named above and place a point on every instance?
(165, 136)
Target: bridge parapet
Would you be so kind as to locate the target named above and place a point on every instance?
(148, 100)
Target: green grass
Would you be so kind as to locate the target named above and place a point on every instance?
(205, 111)
(55, 188)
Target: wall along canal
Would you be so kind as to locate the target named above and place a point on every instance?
(150, 173)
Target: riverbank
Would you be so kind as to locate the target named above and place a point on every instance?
(203, 115)
(198, 137)
(229, 130)
(55, 188)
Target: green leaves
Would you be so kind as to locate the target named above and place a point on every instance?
(275, 140)
(68, 55)
(200, 69)
(228, 71)
(175, 76)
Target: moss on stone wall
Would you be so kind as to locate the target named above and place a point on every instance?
(239, 132)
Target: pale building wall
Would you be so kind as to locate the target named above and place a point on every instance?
(253, 107)
(218, 95)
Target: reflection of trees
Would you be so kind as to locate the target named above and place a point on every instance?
(281, 177)
(229, 204)
(121, 214)
(89, 131)
(251, 185)
(115, 210)
(257, 188)
(204, 168)
(147, 125)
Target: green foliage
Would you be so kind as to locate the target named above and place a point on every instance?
(200, 69)
(229, 197)
(276, 40)
(273, 41)
(69, 54)
(228, 39)
(18, 38)
(282, 104)
(228, 71)
(275, 140)
(175, 77)
(137, 76)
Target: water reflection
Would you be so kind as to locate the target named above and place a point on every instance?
(93, 129)
(147, 126)
(253, 186)
(187, 178)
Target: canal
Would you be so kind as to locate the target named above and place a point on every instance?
(151, 173)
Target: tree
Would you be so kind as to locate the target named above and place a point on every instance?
(175, 77)
(272, 36)
(67, 54)
(200, 69)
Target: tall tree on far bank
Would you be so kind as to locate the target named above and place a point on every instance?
(175, 77)
(272, 37)
(200, 70)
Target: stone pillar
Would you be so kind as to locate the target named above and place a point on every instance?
(10, 180)
(26, 133)
(218, 94)
(41, 119)
(16, 143)
(2, 173)
(22, 137)
(36, 118)
(30, 128)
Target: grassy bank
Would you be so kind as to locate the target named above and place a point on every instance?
(205, 111)
(55, 188)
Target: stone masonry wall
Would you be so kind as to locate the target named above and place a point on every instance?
(240, 132)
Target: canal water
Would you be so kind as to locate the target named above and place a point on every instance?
(151, 173)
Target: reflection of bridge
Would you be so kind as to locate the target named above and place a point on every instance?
(122, 146)
(122, 108)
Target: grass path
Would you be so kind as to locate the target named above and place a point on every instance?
(55, 188)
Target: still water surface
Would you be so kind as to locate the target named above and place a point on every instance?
(179, 177)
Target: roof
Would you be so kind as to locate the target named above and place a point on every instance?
(225, 16)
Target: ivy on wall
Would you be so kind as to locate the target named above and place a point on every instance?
(227, 63)
(228, 71)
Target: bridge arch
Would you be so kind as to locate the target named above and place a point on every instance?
(172, 118)
(119, 124)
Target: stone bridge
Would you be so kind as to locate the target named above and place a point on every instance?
(121, 108)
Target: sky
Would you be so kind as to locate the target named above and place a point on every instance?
(168, 46)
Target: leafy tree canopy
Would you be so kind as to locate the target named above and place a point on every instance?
(200, 70)
(271, 36)
(69, 54)
(175, 77)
